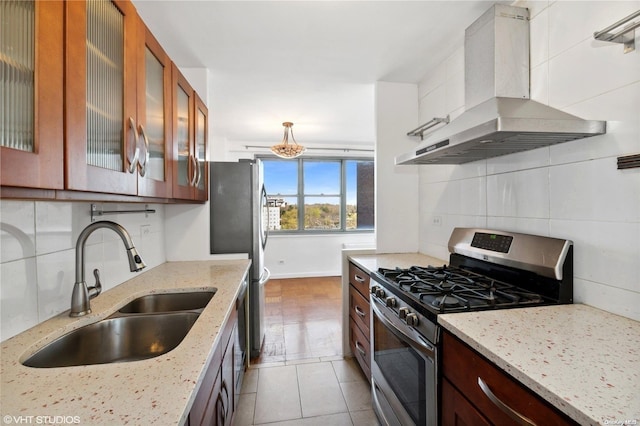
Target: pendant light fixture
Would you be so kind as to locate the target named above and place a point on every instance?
(284, 149)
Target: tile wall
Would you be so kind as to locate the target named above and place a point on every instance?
(571, 190)
(37, 255)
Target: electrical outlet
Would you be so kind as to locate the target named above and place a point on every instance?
(145, 231)
(437, 221)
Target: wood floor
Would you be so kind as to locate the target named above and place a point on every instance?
(302, 319)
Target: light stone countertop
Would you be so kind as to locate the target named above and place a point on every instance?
(371, 262)
(582, 360)
(158, 391)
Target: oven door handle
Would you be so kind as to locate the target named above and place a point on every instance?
(420, 346)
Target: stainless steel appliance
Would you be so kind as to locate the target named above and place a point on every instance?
(487, 269)
(499, 118)
(238, 203)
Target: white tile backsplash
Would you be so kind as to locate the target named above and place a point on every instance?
(539, 83)
(18, 296)
(56, 278)
(594, 190)
(580, 73)
(603, 251)
(17, 231)
(519, 194)
(37, 258)
(571, 190)
(571, 22)
(539, 39)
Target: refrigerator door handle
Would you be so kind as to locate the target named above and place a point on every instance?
(264, 228)
(266, 274)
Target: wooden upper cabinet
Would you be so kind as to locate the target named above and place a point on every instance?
(184, 175)
(201, 149)
(31, 56)
(102, 148)
(154, 117)
(190, 127)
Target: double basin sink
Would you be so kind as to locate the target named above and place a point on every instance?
(146, 327)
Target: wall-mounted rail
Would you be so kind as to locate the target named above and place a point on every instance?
(419, 131)
(626, 35)
(95, 212)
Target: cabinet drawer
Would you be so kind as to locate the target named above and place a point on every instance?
(359, 310)
(360, 347)
(456, 410)
(359, 279)
(463, 367)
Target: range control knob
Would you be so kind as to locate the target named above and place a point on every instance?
(380, 293)
(403, 312)
(391, 301)
(374, 289)
(411, 319)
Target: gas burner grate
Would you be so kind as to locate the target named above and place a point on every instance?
(447, 288)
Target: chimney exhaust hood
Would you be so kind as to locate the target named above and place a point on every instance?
(500, 118)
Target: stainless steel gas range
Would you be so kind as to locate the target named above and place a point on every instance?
(487, 269)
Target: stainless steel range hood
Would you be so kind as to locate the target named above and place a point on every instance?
(499, 118)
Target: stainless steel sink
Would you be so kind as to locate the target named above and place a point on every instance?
(118, 339)
(168, 302)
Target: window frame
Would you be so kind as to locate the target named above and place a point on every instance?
(300, 196)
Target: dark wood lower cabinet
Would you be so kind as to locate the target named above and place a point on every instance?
(457, 411)
(359, 317)
(214, 404)
(496, 401)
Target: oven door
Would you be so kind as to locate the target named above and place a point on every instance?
(403, 371)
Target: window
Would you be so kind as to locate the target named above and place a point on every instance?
(319, 194)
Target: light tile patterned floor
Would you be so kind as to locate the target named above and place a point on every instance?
(323, 393)
(301, 379)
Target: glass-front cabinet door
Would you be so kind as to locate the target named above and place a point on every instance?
(201, 130)
(184, 162)
(102, 146)
(31, 92)
(154, 117)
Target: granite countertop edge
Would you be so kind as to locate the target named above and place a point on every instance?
(578, 358)
(159, 390)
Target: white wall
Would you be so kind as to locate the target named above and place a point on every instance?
(292, 256)
(396, 186)
(37, 255)
(572, 190)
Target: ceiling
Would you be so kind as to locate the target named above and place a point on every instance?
(314, 63)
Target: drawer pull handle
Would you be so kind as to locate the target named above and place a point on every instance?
(519, 418)
(359, 311)
(358, 278)
(360, 349)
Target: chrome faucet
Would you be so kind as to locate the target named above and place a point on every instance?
(81, 295)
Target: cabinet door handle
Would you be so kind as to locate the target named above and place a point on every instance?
(359, 311)
(227, 400)
(136, 154)
(194, 161)
(360, 349)
(142, 168)
(519, 418)
(358, 278)
(198, 172)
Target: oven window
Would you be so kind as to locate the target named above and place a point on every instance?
(404, 370)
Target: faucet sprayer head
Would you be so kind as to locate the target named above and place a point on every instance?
(136, 264)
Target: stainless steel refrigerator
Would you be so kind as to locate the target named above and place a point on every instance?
(239, 215)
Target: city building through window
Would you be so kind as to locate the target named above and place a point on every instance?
(320, 194)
